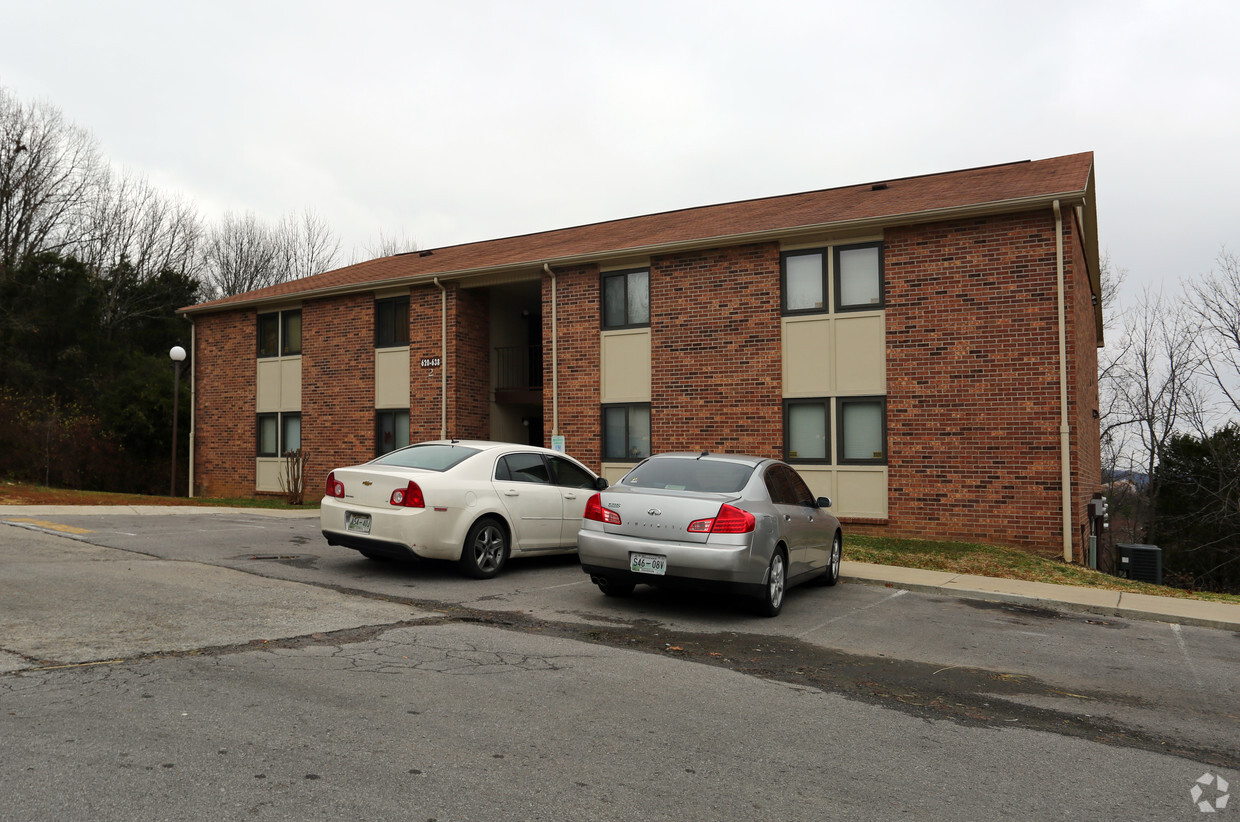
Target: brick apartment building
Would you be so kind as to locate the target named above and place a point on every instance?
(924, 350)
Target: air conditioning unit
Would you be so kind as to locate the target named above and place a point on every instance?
(1139, 562)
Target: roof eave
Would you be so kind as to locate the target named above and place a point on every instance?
(861, 225)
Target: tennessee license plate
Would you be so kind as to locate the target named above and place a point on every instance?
(648, 564)
(358, 523)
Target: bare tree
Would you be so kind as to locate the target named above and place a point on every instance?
(307, 246)
(243, 254)
(239, 255)
(49, 170)
(1157, 389)
(1216, 306)
(390, 245)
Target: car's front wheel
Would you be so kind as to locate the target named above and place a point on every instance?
(772, 601)
(832, 574)
(485, 550)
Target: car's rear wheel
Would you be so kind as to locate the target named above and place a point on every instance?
(772, 601)
(485, 550)
(613, 587)
(832, 574)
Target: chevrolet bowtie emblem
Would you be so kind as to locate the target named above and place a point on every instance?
(367, 482)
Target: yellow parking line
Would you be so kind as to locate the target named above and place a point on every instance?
(52, 526)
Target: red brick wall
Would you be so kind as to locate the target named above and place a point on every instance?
(715, 351)
(1082, 383)
(469, 380)
(425, 384)
(337, 385)
(577, 315)
(973, 390)
(225, 370)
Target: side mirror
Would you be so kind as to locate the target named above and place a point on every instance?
(824, 502)
(600, 483)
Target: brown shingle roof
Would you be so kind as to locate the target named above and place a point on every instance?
(992, 188)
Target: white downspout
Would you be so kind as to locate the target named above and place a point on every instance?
(1065, 451)
(555, 358)
(193, 367)
(443, 361)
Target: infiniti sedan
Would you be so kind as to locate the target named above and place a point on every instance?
(746, 525)
(471, 502)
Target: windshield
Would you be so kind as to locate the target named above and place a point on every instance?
(427, 457)
(689, 474)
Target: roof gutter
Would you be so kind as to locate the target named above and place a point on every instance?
(769, 235)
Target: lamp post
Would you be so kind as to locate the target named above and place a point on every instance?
(178, 356)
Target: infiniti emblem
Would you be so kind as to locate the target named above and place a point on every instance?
(654, 512)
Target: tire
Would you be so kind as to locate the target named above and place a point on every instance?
(613, 587)
(775, 586)
(485, 551)
(832, 574)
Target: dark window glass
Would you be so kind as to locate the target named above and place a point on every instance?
(527, 468)
(570, 474)
(291, 337)
(710, 476)
(626, 432)
(626, 299)
(268, 335)
(392, 322)
(430, 457)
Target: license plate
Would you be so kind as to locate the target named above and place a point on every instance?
(358, 523)
(648, 564)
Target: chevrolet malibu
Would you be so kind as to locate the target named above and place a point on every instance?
(741, 524)
(471, 502)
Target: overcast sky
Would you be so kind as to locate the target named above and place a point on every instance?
(454, 122)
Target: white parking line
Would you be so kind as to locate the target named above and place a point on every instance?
(888, 598)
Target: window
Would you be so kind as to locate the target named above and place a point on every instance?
(391, 431)
(859, 277)
(290, 338)
(279, 334)
(787, 488)
(863, 430)
(803, 276)
(626, 299)
(278, 434)
(626, 432)
(429, 457)
(391, 322)
(523, 468)
(570, 474)
(268, 335)
(807, 426)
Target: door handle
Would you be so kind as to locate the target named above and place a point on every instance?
(512, 492)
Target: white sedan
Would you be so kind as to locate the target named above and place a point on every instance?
(475, 503)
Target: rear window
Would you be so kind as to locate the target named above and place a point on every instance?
(427, 457)
(701, 475)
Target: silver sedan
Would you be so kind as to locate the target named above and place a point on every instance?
(748, 525)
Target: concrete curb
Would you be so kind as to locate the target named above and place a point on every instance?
(1218, 615)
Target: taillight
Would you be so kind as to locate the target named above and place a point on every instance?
(335, 488)
(729, 520)
(596, 511)
(408, 497)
